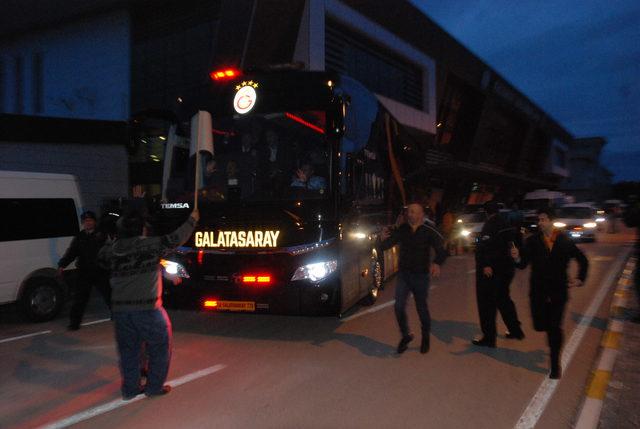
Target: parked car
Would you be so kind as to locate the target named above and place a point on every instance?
(468, 227)
(578, 220)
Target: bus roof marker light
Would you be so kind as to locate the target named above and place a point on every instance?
(224, 74)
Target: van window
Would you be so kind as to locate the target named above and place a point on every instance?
(33, 218)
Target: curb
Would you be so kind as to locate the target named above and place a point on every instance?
(589, 415)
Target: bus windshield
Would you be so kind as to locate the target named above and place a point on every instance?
(260, 157)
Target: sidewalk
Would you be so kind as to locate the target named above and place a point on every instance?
(621, 407)
(612, 397)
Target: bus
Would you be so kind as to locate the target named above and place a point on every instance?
(304, 171)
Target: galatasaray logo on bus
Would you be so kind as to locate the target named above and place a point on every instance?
(246, 97)
(227, 239)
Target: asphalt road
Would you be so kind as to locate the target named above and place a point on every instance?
(244, 371)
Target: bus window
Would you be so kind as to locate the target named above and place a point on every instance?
(35, 218)
(272, 156)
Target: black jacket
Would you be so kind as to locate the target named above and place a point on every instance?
(85, 247)
(549, 269)
(415, 247)
(493, 248)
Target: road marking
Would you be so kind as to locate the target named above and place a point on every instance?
(598, 385)
(110, 406)
(95, 322)
(6, 340)
(540, 400)
(370, 310)
(607, 359)
(611, 340)
(20, 337)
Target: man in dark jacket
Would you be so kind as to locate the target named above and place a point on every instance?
(84, 248)
(415, 268)
(549, 252)
(136, 284)
(494, 272)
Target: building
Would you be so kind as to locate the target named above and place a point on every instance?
(93, 151)
(109, 59)
(589, 180)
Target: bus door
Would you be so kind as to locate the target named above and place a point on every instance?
(354, 244)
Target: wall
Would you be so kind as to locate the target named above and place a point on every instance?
(85, 70)
(101, 169)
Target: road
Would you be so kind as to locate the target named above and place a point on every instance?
(243, 370)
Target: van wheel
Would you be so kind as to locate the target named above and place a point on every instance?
(42, 299)
(376, 283)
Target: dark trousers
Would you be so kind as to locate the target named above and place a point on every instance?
(492, 294)
(133, 328)
(418, 285)
(547, 313)
(81, 292)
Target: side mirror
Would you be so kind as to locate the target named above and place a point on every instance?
(337, 114)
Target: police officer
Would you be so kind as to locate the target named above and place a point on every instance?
(494, 272)
(84, 248)
(416, 239)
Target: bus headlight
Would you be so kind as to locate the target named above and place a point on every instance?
(559, 224)
(590, 225)
(174, 269)
(315, 272)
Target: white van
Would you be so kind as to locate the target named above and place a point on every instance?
(39, 220)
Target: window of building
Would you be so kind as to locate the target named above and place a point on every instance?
(19, 100)
(38, 90)
(379, 70)
(2, 84)
(35, 218)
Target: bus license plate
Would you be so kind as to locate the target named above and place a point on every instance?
(237, 305)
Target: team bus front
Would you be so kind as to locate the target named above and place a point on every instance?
(304, 170)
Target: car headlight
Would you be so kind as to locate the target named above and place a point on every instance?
(600, 219)
(590, 225)
(358, 235)
(465, 233)
(174, 269)
(559, 224)
(315, 272)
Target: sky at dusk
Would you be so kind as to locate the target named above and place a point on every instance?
(578, 60)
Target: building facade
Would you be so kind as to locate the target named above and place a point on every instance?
(589, 180)
(112, 59)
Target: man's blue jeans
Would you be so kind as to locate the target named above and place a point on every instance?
(418, 284)
(133, 328)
